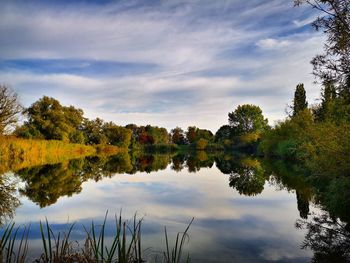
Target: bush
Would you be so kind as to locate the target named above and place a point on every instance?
(201, 144)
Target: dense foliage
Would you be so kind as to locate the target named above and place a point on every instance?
(247, 119)
(299, 103)
(48, 119)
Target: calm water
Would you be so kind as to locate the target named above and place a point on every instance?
(245, 210)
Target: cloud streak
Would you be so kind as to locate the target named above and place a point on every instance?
(165, 63)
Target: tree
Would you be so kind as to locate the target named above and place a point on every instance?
(117, 135)
(247, 119)
(194, 134)
(223, 133)
(325, 109)
(204, 134)
(247, 177)
(8, 198)
(48, 119)
(191, 134)
(299, 102)
(334, 21)
(201, 144)
(177, 136)
(93, 131)
(9, 108)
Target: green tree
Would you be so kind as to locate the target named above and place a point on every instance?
(94, 131)
(9, 108)
(247, 119)
(223, 133)
(326, 109)
(117, 135)
(204, 134)
(48, 119)
(299, 102)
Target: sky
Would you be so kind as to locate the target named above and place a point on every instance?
(161, 62)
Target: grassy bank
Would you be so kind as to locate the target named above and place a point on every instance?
(17, 153)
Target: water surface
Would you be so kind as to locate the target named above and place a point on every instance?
(244, 209)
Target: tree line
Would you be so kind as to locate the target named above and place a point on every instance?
(299, 136)
(47, 119)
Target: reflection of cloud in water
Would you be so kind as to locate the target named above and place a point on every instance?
(227, 226)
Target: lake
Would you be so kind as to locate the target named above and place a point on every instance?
(244, 209)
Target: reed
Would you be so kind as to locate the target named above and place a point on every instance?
(125, 246)
(175, 255)
(17, 153)
(8, 253)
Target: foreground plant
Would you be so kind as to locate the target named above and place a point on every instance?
(124, 247)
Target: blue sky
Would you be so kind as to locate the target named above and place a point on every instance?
(166, 63)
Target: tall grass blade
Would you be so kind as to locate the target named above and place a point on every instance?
(184, 236)
(5, 237)
(11, 244)
(46, 258)
(167, 255)
(49, 232)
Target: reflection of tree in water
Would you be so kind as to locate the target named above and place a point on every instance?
(8, 198)
(328, 238)
(290, 176)
(248, 178)
(45, 184)
(303, 204)
(198, 160)
(178, 162)
(247, 175)
(99, 167)
(150, 162)
(333, 195)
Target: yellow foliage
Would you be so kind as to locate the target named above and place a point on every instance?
(16, 153)
(250, 137)
(201, 144)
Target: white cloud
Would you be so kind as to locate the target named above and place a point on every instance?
(208, 58)
(270, 43)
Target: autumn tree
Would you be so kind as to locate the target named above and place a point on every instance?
(299, 102)
(194, 134)
(177, 136)
(201, 144)
(9, 108)
(191, 134)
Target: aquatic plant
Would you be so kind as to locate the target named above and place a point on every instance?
(124, 247)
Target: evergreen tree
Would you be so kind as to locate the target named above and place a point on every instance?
(299, 102)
